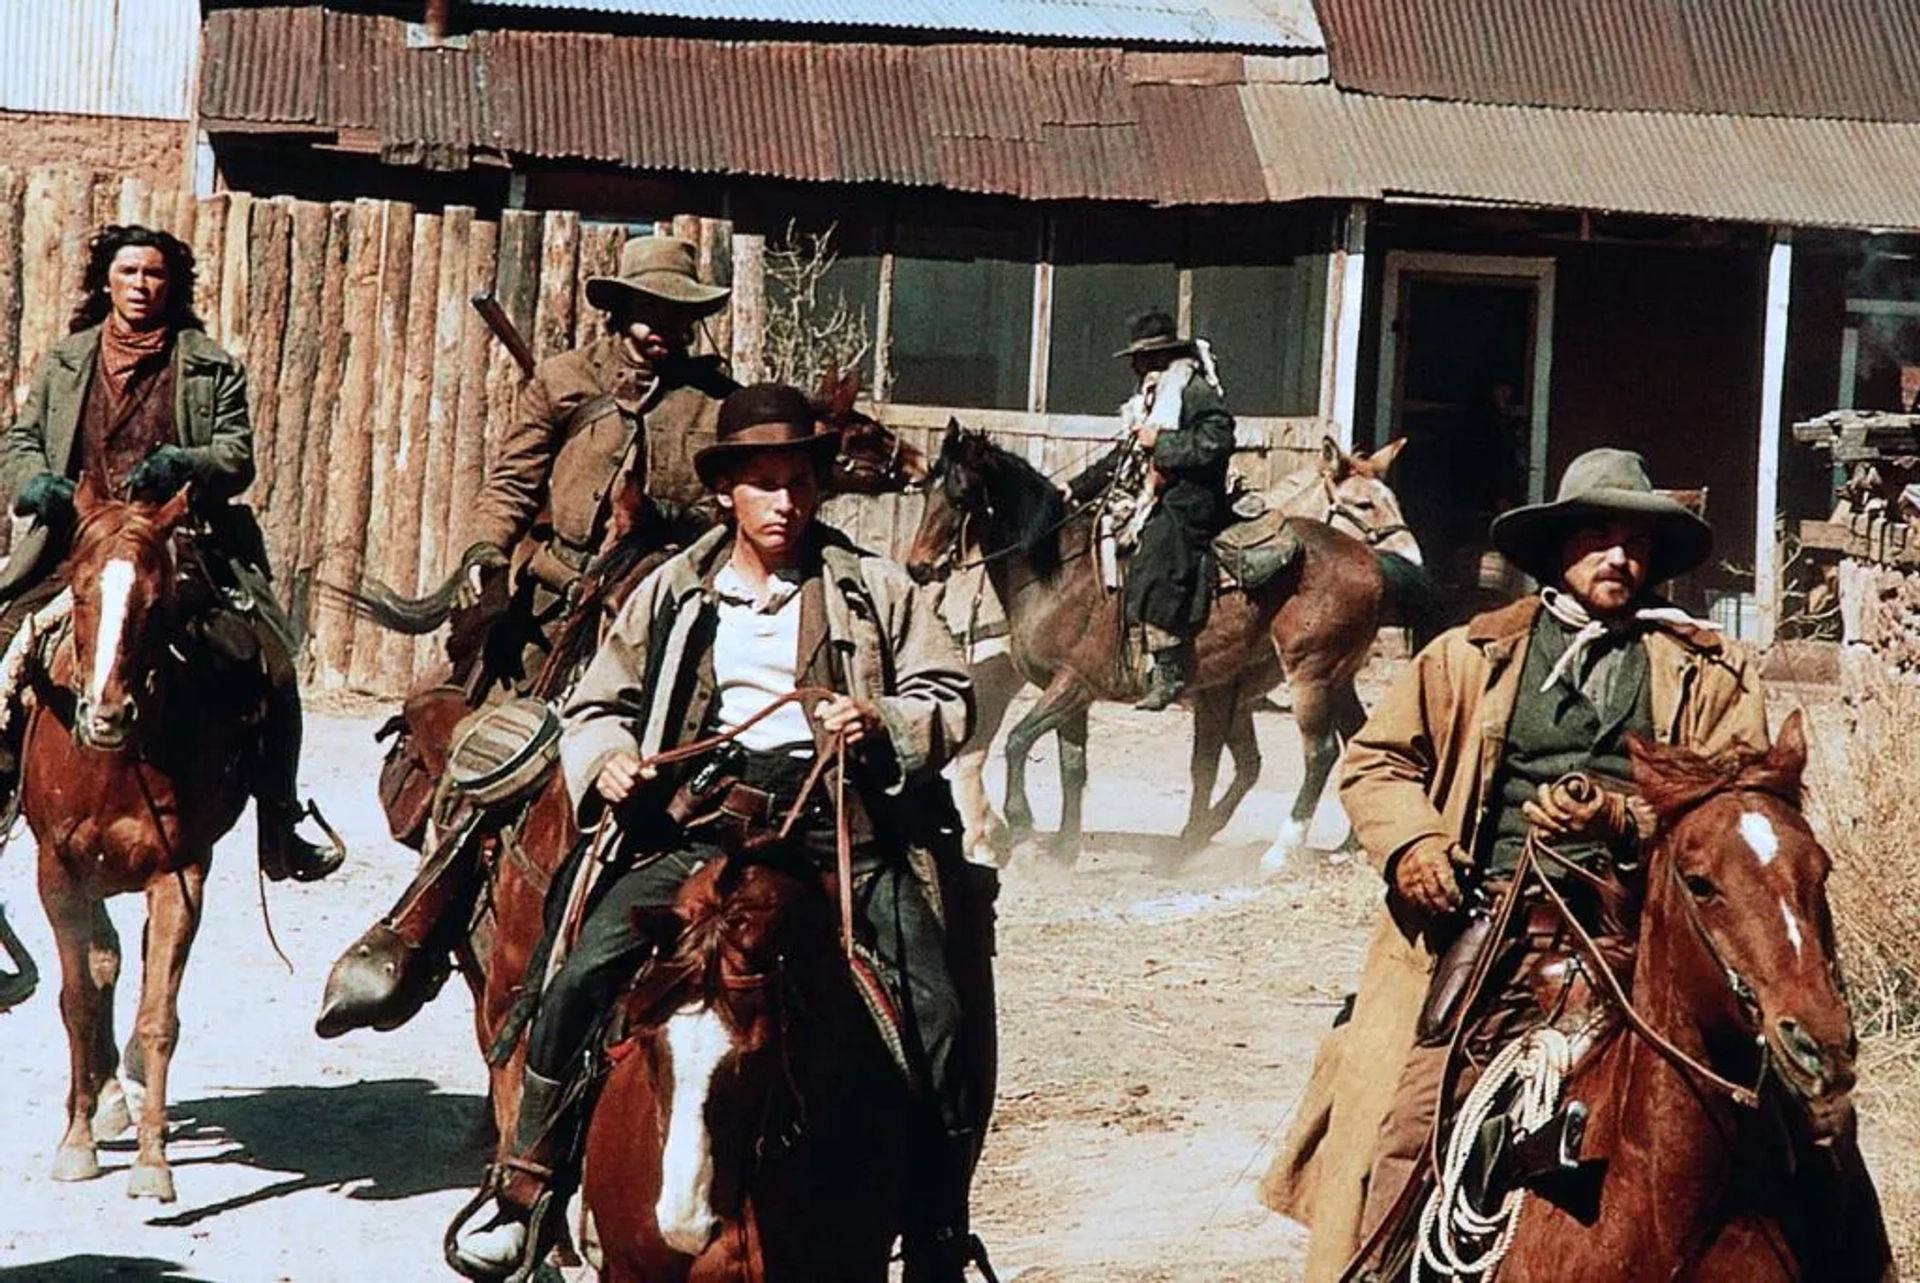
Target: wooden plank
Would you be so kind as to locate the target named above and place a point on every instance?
(599, 256)
(749, 308)
(716, 267)
(269, 234)
(231, 321)
(350, 462)
(517, 286)
(396, 281)
(559, 264)
(209, 253)
(135, 204)
(687, 228)
(299, 363)
(1890, 543)
(406, 513)
(13, 195)
(451, 311)
(476, 391)
(56, 219)
(317, 482)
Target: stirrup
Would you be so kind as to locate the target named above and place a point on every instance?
(977, 1256)
(540, 1236)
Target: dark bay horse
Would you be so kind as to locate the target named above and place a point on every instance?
(1736, 969)
(132, 768)
(752, 1126)
(1313, 622)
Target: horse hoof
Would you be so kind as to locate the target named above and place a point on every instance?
(111, 1117)
(146, 1181)
(1278, 860)
(75, 1163)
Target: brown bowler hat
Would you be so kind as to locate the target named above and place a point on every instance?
(764, 416)
(659, 267)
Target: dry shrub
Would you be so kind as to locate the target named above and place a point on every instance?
(1863, 776)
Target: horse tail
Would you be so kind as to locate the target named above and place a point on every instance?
(412, 616)
(1414, 598)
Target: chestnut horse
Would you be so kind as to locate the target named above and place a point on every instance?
(132, 768)
(752, 1126)
(1313, 620)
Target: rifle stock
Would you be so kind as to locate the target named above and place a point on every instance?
(504, 329)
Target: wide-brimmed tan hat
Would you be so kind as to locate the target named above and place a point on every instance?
(1154, 332)
(661, 267)
(764, 416)
(1600, 485)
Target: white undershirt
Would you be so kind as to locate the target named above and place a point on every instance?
(756, 650)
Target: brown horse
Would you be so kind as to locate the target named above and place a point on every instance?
(132, 768)
(751, 1129)
(1736, 970)
(1314, 619)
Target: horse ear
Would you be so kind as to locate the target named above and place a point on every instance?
(846, 391)
(951, 436)
(1789, 752)
(1334, 462)
(1377, 463)
(173, 511)
(829, 383)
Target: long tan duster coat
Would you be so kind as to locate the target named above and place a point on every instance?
(1423, 765)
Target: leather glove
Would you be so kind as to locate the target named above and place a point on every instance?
(1576, 807)
(160, 475)
(1425, 875)
(475, 564)
(48, 496)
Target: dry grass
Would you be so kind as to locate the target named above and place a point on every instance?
(1863, 773)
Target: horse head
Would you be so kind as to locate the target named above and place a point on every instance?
(1737, 919)
(121, 574)
(956, 489)
(1354, 486)
(717, 1004)
(873, 459)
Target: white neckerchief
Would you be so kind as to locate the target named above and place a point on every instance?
(1587, 630)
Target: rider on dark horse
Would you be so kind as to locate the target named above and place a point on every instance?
(137, 402)
(1178, 418)
(769, 604)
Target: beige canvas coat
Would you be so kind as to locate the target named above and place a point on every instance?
(1424, 764)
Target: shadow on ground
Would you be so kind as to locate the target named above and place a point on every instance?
(392, 1138)
(100, 1269)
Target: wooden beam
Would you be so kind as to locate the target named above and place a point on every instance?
(1340, 335)
(389, 380)
(749, 308)
(476, 392)
(405, 514)
(350, 467)
(1766, 502)
(452, 312)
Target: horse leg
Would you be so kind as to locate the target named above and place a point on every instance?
(1244, 745)
(173, 917)
(1203, 767)
(89, 966)
(1313, 713)
(1072, 737)
(1062, 698)
(111, 1117)
(995, 683)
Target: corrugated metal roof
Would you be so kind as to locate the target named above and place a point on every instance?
(1840, 59)
(99, 57)
(1043, 123)
(1233, 24)
(1316, 141)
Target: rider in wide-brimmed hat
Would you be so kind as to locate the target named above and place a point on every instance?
(1444, 782)
(770, 602)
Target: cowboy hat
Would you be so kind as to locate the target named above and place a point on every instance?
(1602, 485)
(1154, 332)
(657, 267)
(760, 417)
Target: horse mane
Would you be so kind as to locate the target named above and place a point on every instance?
(1028, 502)
(1675, 780)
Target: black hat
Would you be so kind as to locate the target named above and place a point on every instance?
(1154, 331)
(1599, 485)
(764, 416)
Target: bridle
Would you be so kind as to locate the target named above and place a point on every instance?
(884, 474)
(1366, 532)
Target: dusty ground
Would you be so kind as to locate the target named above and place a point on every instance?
(1158, 1027)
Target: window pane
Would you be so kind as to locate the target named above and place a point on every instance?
(1265, 325)
(1092, 304)
(962, 332)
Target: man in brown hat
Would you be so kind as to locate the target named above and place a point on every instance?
(770, 602)
(1177, 417)
(1447, 776)
(635, 400)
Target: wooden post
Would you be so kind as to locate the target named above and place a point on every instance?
(56, 214)
(749, 308)
(13, 193)
(103, 200)
(716, 267)
(299, 364)
(232, 319)
(559, 262)
(406, 515)
(349, 466)
(266, 321)
(476, 391)
(518, 289)
(396, 280)
(451, 311)
(136, 203)
(317, 481)
(1766, 499)
(1340, 336)
(209, 252)
(687, 228)
(599, 256)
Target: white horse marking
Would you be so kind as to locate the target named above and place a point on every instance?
(1793, 926)
(116, 588)
(1757, 829)
(697, 1041)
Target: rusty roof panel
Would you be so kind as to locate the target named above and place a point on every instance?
(1837, 59)
(1200, 144)
(1315, 141)
(262, 71)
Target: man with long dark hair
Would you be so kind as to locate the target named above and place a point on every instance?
(138, 402)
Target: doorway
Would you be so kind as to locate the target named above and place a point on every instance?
(1464, 363)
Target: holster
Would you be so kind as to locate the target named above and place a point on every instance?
(1447, 990)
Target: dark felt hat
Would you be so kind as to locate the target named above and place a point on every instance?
(660, 267)
(1603, 485)
(1154, 332)
(764, 416)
